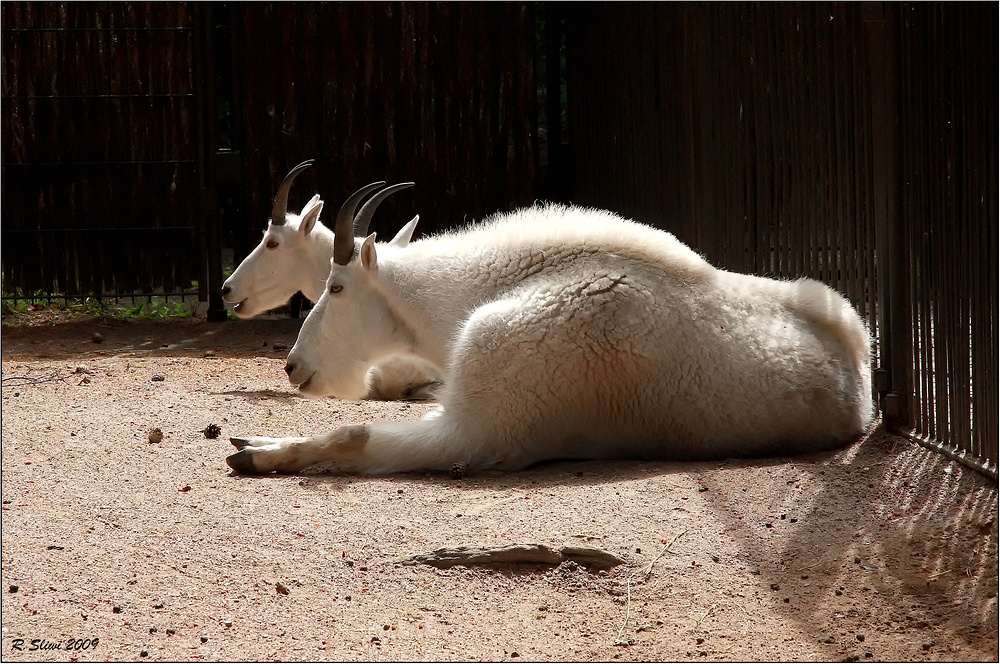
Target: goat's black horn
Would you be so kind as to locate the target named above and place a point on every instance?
(280, 208)
(364, 217)
(343, 230)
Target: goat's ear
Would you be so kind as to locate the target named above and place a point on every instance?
(369, 260)
(405, 233)
(310, 215)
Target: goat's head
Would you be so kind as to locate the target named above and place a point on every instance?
(352, 326)
(294, 253)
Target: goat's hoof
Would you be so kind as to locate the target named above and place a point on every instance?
(239, 443)
(242, 463)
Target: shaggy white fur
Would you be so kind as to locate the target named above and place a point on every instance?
(565, 332)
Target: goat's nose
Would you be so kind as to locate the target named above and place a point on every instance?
(226, 289)
(289, 368)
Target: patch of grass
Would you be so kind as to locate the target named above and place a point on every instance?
(29, 311)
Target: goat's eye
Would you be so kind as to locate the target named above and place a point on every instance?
(335, 288)
(272, 244)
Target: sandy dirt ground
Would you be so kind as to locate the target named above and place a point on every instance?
(116, 548)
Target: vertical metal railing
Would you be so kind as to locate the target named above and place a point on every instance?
(949, 156)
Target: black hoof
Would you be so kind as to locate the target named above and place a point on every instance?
(242, 463)
(239, 443)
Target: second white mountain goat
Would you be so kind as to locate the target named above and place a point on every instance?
(294, 256)
(569, 333)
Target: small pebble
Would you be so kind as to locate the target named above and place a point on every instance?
(158, 605)
(860, 637)
(204, 639)
(158, 377)
(793, 519)
(116, 609)
(13, 588)
(775, 586)
(155, 435)
(152, 630)
(143, 653)
(857, 560)
(699, 640)
(97, 338)
(171, 632)
(281, 588)
(209, 353)
(715, 559)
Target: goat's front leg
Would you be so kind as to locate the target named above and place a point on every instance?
(380, 447)
(259, 455)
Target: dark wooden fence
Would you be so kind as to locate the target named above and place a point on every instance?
(851, 142)
(442, 94)
(100, 180)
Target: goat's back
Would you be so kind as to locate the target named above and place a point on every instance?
(633, 345)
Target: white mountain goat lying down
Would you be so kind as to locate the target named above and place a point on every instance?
(295, 256)
(568, 333)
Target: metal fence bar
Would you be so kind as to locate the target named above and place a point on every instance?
(950, 206)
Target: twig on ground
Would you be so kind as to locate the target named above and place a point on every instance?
(27, 380)
(817, 564)
(628, 589)
(700, 620)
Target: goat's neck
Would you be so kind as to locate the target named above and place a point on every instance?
(434, 305)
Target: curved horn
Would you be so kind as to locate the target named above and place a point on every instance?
(343, 230)
(280, 207)
(365, 216)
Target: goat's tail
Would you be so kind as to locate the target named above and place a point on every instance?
(831, 310)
